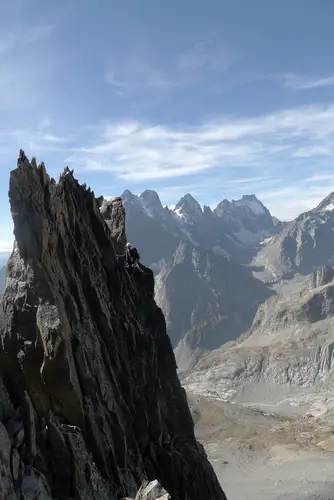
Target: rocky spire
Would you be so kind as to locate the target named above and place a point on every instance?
(90, 403)
(113, 213)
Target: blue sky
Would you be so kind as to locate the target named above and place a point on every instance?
(215, 97)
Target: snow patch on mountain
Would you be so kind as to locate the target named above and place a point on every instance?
(318, 219)
(248, 238)
(267, 240)
(254, 205)
(188, 209)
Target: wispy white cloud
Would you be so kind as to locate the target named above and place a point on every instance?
(39, 139)
(300, 82)
(6, 245)
(137, 70)
(201, 158)
(313, 151)
(209, 54)
(320, 177)
(248, 180)
(20, 37)
(138, 151)
(288, 202)
(22, 73)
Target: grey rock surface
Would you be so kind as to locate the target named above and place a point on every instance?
(152, 491)
(207, 295)
(113, 213)
(207, 299)
(2, 278)
(90, 403)
(301, 245)
(287, 355)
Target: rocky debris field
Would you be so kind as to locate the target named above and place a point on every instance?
(266, 456)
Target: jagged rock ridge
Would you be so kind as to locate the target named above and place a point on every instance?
(301, 245)
(90, 403)
(233, 228)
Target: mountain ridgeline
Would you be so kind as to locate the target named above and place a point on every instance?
(90, 403)
(303, 245)
(232, 229)
(213, 268)
(199, 256)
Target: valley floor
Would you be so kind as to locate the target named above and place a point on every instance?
(261, 456)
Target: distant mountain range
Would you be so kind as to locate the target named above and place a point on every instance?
(234, 228)
(215, 267)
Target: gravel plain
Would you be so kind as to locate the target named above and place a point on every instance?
(266, 456)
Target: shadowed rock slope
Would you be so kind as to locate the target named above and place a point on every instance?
(90, 403)
(207, 299)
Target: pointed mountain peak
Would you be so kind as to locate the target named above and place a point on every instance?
(128, 195)
(223, 205)
(151, 203)
(151, 197)
(188, 208)
(207, 210)
(326, 204)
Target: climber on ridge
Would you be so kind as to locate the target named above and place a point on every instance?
(132, 256)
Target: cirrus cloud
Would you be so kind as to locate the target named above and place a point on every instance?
(138, 151)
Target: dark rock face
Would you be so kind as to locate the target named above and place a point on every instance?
(113, 213)
(2, 279)
(90, 403)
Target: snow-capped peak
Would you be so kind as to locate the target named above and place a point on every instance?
(251, 202)
(327, 204)
(188, 208)
(248, 203)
